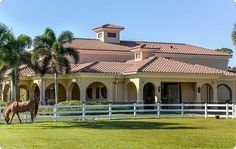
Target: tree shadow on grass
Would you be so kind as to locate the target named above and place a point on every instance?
(113, 125)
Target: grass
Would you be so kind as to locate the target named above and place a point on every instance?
(167, 133)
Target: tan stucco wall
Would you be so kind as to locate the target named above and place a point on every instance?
(188, 92)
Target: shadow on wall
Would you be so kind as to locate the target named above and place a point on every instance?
(116, 124)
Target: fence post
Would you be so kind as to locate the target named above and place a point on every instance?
(158, 110)
(110, 111)
(233, 111)
(182, 109)
(205, 110)
(55, 112)
(83, 112)
(134, 110)
(227, 110)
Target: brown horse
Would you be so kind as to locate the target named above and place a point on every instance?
(17, 107)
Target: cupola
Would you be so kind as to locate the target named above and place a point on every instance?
(108, 33)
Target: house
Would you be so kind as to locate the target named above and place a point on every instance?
(114, 70)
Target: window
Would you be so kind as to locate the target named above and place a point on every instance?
(89, 93)
(97, 93)
(104, 92)
(99, 35)
(137, 55)
(113, 35)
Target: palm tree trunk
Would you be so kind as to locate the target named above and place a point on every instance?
(56, 87)
(15, 84)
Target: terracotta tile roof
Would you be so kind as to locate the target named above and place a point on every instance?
(78, 67)
(172, 66)
(137, 65)
(24, 71)
(109, 26)
(95, 44)
(150, 65)
(127, 46)
(107, 67)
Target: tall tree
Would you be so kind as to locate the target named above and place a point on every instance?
(226, 50)
(13, 54)
(233, 35)
(5, 37)
(52, 56)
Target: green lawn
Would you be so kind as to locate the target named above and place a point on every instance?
(140, 133)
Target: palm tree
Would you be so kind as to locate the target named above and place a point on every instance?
(52, 56)
(234, 35)
(225, 50)
(13, 54)
(5, 36)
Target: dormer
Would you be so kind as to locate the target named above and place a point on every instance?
(143, 51)
(109, 33)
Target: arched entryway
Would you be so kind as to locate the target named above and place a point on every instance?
(97, 91)
(207, 93)
(35, 91)
(224, 93)
(149, 93)
(7, 93)
(131, 92)
(50, 94)
(23, 93)
(75, 91)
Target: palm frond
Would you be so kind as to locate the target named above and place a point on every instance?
(24, 41)
(65, 36)
(50, 36)
(72, 53)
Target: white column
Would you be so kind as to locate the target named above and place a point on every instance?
(214, 86)
(83, 90)
(42, 90)
(116, 90)
(158, 92)
(233, 89)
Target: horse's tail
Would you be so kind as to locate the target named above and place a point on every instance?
(36, 108)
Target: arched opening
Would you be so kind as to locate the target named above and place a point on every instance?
(75, 91)
(207, 93)
(50, 94)
(7, 93)
(35, 91)
(23, 93)
(149, 93)
(131, 92)
(224, 93)
(96, 91)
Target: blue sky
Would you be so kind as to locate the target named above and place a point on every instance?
(206, 23)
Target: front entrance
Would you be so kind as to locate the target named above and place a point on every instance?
(171, 93)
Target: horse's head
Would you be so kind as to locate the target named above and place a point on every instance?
(7, 119)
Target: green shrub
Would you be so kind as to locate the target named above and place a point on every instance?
(70, 102)
(2, 103)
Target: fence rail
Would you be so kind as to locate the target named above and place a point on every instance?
(112, 111)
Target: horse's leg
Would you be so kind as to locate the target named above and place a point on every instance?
(17, 113)
(12, 117)
(32, 116)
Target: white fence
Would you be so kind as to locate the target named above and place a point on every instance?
(112, 111)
